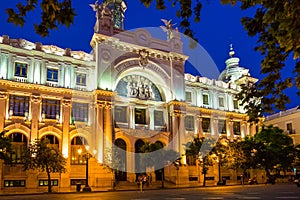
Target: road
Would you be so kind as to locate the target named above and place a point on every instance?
(265, 192)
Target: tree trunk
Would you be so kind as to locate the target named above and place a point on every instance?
(204, 179)
(49, 180)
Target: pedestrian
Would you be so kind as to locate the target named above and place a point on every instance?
(140, 179)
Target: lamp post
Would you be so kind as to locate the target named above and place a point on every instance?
(87, 156)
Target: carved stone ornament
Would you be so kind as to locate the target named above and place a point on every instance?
(3, 95)
(67, 102)
(36, 99)
(144, 57)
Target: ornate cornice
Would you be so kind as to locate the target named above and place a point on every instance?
(13, 85)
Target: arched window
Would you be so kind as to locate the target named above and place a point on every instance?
(53, 140)
(19, 145)
(78, 149)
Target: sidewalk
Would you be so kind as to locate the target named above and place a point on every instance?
(122, 186)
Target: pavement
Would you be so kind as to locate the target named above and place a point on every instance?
(121, 186)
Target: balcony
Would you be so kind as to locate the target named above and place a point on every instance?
(20, 79)
(52, 84)
(292, 131)
(80, 87)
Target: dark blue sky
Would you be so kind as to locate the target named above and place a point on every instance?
(219, 26)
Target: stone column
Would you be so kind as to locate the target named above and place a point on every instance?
(181, 138)
(200, 130)
(151, 118)
(3, 108)
(175, 131)
(215, 128)
(230, 133)
(3, 66)
(108, 127)
(99, 132)
(66, 114)
(132, 117)
(35, 116)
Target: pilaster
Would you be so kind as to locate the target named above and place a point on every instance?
(34, 116)
(3, 108)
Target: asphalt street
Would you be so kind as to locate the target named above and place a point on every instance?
(277, 191)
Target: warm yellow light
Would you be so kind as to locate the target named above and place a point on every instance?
(80, 151)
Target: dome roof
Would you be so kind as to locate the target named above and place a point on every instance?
(233, 70)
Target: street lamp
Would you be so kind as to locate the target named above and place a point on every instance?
(87, 156)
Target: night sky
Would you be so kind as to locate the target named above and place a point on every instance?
(219, 27)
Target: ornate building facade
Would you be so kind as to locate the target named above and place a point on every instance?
(130, 90)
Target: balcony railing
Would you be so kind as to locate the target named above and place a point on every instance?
(20, 79)
(293, 131)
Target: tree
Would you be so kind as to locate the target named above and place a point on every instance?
(277, 25)
(200, 149)
(5, 148)
(273, 150)
(157, 156)
(40, 156)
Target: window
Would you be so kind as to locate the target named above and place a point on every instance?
(52, 75)
(50, 108)
(140, 116)
(221, 101)
(159, 118)
(289, 128)
(236, 128)
(222, 126)
(19, 145)
(188, 96)
(120, 114)
(235, 104)
(189, 123)
(206, 124)
(14, 183)
(205, 99)
(191, 160)
(78, 181)
(21, 69)
(18, 105)
(76, 144)
(80, 112)
(45, 182)
(53, 141)
(81, 79)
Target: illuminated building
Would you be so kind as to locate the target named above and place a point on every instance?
(130, 90)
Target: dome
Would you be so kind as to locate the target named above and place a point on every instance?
(233, 70)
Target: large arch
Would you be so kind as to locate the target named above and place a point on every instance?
(17, 128)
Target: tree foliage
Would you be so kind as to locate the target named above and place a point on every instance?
(276, 24)
(5, 148)
(155, 155)
(273, 150)
(202, 149)
(40, 156)
(53, 13)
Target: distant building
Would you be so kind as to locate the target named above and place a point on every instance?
(288, 121)
(130, 90)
